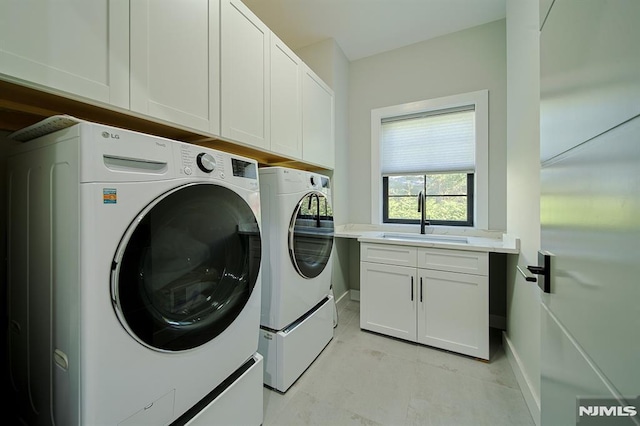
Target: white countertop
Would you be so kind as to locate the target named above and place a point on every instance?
(487, 241)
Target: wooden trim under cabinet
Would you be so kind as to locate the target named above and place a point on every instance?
(22, 106)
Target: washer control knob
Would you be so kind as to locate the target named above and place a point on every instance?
(313, 181)
(206, 162)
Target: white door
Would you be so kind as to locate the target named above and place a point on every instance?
(317, 120)
(245, 75)
(286, 100)
(590, 209)
(74, 46)
(175, 67)
(453, 312)
(388, 299)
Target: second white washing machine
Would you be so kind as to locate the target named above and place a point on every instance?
(296, 320)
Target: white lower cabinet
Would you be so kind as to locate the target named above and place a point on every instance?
(388, 305)
(426, 300)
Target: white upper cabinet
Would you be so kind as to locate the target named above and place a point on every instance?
(175, 61)
(75, 46)
(207, 65)
(286, 100)
(245, 76)
(317, 120)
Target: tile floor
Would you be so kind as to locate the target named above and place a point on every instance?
(363, 378)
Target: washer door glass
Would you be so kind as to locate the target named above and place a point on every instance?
(186, 267)
(311, 234)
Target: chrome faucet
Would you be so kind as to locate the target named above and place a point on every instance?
(421, 205)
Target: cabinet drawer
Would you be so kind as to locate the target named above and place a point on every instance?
(388, 254)
(468, 262)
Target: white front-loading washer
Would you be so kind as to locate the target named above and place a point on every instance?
(134, 278)
(297, 304)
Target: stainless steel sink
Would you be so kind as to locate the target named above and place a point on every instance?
(428, 238)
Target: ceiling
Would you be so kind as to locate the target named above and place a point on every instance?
(366, 27)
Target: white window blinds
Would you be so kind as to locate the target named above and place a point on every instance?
(434, 141)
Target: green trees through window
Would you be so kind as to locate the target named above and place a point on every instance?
(449, 198)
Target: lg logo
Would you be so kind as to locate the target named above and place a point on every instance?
(108, 135)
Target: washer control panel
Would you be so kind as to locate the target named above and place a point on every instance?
(318, 181)
(195, 162)
(206, 162)
(199, 162)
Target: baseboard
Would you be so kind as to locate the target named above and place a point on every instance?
(355, 295)
(497, 321)
(532, 400)
(342, 300)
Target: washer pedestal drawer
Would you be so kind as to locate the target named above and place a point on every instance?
(289, 352)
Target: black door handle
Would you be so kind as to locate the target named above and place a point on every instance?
(412, 289)
(544, 271)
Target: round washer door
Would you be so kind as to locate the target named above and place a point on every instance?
(186, 267)
(311, 235)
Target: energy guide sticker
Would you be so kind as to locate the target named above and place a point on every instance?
(109, 196)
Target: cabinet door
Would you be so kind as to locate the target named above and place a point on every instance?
(317, 120)
(453, 312)
(245, 75)
(388, 300)
(286, 100)
(175, 61)
(389, 254)
(466, 262)
(74, 46)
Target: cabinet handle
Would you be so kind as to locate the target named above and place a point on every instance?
(412, 289)
(420, 289)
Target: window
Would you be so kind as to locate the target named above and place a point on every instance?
(449, 198)
(437, 147)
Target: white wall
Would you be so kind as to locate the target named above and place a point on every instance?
(523, 194)
(464, 61)
(328, 61)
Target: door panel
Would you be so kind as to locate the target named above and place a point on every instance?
(244, 86)
(174, 61)
(590, 203)
(453, 311)
(590, 218)
(567, 373)
(80, 47)
(388, 298)
(286, 102)
(318, 145)
(589, 66)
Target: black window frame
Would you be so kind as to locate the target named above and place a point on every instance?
(470, 203)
